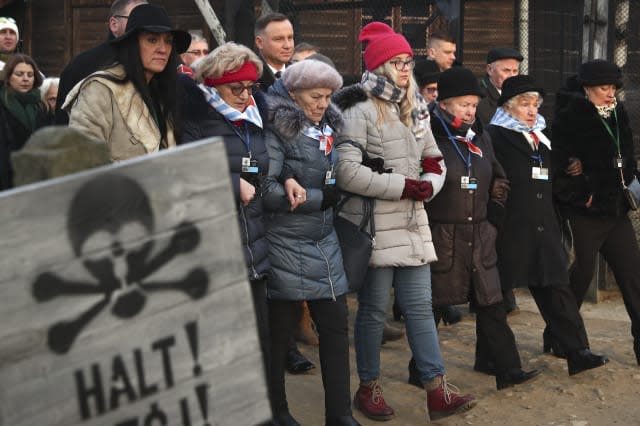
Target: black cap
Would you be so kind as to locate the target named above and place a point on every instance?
(599, 72)
(426, 71)
(503, 53)
(458, 81)
(516, 85)
(152, 18)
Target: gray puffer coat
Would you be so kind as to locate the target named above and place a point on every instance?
(306, 262)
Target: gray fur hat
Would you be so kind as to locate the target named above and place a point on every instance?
(311, 74)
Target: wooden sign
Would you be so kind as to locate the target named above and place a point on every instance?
(124, 298)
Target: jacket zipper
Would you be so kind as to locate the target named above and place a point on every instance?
(333, 294)
(246, 232)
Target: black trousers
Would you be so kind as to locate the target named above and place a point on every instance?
(330, 319)
(615, 239)
(495, 341)
(259, 294)
(560, 312)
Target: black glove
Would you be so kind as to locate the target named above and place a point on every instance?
(330, 196)
(376, 164)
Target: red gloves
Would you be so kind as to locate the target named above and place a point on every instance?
(431, 165)
(417, 190)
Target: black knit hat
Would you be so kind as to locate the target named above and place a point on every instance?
(426, 71)
(516, 85)
(152, 18)
(598, 72)
(503, 53)
(458, 81)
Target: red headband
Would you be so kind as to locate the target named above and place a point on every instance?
(248, 71)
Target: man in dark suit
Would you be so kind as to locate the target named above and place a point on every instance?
(93, 59)
(274, 41)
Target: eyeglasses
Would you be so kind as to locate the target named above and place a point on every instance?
(400, 65)
(238, 90)
(198, 52)
(120, 16)
(431, 90)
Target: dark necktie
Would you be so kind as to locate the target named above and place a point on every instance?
(278, 74)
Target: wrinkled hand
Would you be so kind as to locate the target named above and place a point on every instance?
(330, 196)
(432, 165)
(575, 167)
(417, 190)
(296, 194)
(247, 192)
(500, 189)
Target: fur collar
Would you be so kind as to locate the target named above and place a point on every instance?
(349, 96)
(286, 117)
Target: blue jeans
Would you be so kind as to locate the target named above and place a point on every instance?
(413, 293)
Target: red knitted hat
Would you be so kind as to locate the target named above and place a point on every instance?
(248, 71)
(382, 44)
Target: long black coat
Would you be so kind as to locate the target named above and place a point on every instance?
(202, 121)
(530, 252)
(463, 237)
(579, 132)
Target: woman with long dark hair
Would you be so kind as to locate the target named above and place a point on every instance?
(131, 104)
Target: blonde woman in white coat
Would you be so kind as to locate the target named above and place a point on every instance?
(386, 115)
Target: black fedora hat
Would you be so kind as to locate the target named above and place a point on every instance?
(599, 72)
(458, 81)
(154, 19)
(516, 85)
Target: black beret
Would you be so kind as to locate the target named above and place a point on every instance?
(503, 53)
(458, 81)
(426, 71)
(516, 85)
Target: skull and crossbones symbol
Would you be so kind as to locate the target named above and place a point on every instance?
(107, 205)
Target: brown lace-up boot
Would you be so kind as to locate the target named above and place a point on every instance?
(369, 400)
(443, 399)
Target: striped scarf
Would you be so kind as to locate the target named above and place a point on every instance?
(503, 119)
(250, 114)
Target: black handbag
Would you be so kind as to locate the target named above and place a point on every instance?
(631, 191)
(356, 243)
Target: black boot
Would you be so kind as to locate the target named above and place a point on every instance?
(341, 421)
(297, 363)
(515, 377)
(284, 419)
(551, 345)
(450, 315)
(414, 374)
(583, 359)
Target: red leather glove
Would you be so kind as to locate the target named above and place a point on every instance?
(431, 165)
(417, 190)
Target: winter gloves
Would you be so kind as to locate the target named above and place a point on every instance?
(417, 190)
(432, 165)
(330, 196)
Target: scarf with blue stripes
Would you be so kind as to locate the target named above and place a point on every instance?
(250, 114)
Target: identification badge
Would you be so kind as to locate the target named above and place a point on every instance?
(467, 182)
(617, 162)
(329, 179)
(540, 173)
(250, 165)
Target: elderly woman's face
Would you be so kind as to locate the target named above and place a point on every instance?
(155, 49)
(314, 102)
(22, 78)
(463, 107)
(601, 95)
(524, 108)
(237, 94)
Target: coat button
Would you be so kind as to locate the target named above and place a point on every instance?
(539, 195)
(469, 218)
(540, 228)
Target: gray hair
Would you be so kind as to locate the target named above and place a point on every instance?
(224, 58)
(47, 83)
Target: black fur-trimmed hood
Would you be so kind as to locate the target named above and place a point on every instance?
(287, 119)
(349, 96)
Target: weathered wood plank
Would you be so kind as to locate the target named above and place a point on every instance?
(141, 317)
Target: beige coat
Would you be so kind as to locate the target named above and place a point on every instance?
(403, 237)
(115, 113)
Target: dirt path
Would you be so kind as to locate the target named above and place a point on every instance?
(609, 395)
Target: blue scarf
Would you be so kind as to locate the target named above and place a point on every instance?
(250, 114)
(324, 135)
(503, 119)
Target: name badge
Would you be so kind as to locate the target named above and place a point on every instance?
(329, 179)
(249, 165)
(467, 182)
(540, 173)
(618, 163)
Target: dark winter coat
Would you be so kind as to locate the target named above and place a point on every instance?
(463, 237)
(489, 103)
(202, 121)
(530, 252)
(267, 78)
(306, 262)
(579, 132)
(81, 66)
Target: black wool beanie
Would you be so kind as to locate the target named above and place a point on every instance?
(426, 71)
(516, 85)
(458, 81)
(599, 72)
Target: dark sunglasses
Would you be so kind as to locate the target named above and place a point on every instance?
(252, 89)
